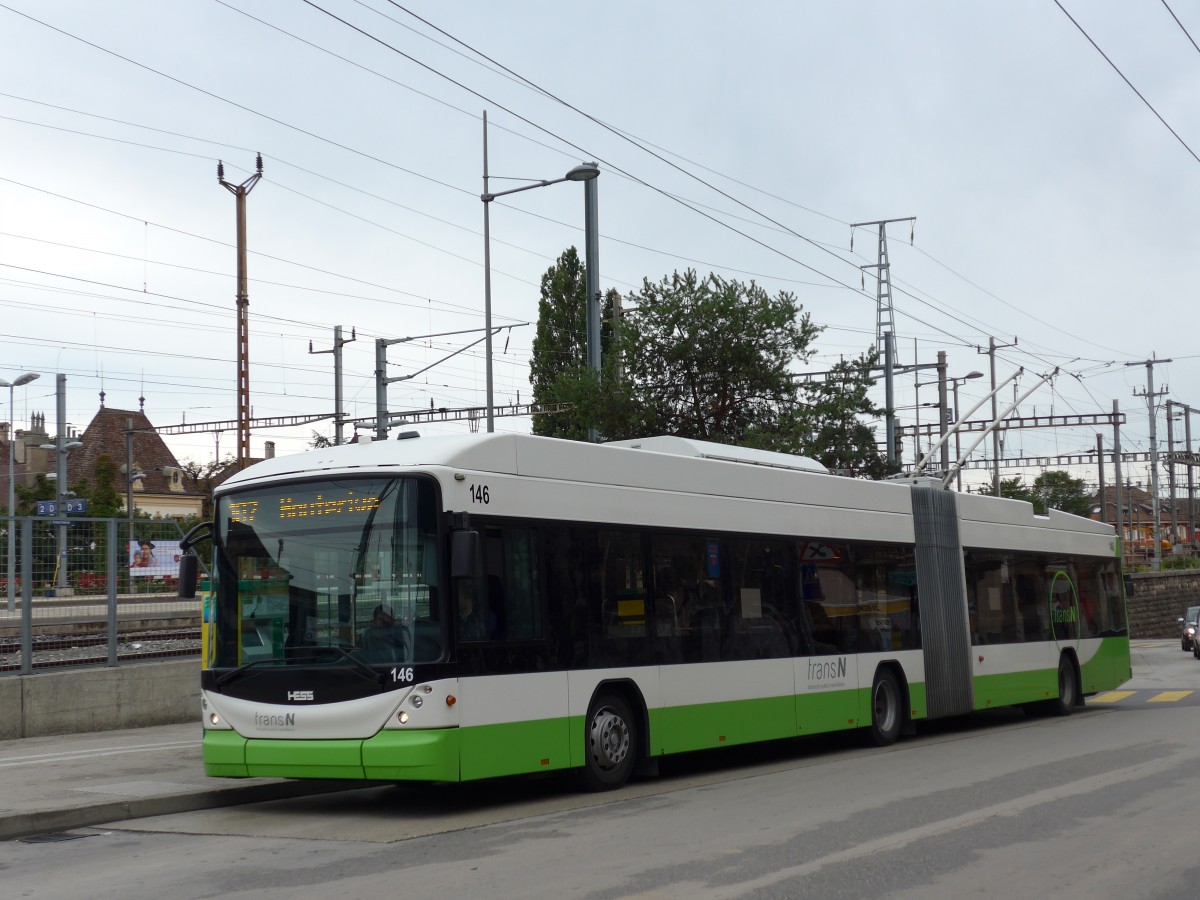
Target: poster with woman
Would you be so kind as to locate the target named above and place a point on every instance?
(154, 558)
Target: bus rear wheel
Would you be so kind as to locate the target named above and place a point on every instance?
(1068, 694)
(1068, 690)
(611, 743)
(887, 710)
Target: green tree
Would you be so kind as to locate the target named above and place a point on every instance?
(708, 358)
(1012, 489)
(207, 476)
(827, 422)
(103, 497)
(712, 359)
(1055, 489)
(28, 495)
(558, 363)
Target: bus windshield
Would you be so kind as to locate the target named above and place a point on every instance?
(316, 571)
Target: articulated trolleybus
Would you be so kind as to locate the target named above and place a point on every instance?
(456, 608)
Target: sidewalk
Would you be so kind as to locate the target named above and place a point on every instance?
(50, 784)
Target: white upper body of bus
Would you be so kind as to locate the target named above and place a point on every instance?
(674, 482)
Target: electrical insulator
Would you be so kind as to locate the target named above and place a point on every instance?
(220, 170)
(260, 164)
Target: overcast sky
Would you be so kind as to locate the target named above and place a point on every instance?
(1053, 209)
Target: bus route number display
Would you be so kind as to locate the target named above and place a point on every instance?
(323, 505)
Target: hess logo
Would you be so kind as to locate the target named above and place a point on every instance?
(299, 695)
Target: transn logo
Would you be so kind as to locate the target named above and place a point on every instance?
(299, 695)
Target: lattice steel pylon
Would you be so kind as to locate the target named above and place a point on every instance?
(885, 327)
(240, 191)
(885, 322)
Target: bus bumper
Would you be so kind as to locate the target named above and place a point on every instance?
(431, 755)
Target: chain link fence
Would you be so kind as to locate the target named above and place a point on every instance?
(85, 591)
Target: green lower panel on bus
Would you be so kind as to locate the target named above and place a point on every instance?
(388, 756)
(831, 710)
(489, 751)
(703, 725)
(1109, 668)
(224, 754)
(304, 759)
(918, 704)
(412, 755)
(1015, 687)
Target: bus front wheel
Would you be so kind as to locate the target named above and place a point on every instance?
(887, 711)
(611, 743)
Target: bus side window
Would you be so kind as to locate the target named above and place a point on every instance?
(512, 601)
(622, 587)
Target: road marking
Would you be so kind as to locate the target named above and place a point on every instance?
(901, 840)
(1111, 696)
(70, 755)
(1170, 696)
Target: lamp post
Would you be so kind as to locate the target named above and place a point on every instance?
(62, 446)
(586, 172)
(957, 445)
(130, 477)
(20, 381)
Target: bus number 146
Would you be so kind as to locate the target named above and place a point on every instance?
(479, 494)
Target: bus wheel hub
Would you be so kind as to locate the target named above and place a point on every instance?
(609, 739)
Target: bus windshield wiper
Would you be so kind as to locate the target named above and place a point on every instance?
(363, 669)
(242, 670)
(360, 668)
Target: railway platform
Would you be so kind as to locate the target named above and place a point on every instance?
(53, 784)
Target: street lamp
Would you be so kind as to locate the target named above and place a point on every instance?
(132, 476)
(21, 381)
(957, 445)
(585, 172)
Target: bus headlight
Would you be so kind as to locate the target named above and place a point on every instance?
(402, 718)
(418, 702)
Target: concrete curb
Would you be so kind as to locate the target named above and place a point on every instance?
(17, 824)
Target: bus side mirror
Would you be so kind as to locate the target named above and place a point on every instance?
(464, 554)
(189, 568)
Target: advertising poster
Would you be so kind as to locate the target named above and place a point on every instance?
(154, 558)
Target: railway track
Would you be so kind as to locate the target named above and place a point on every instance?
(56, 651)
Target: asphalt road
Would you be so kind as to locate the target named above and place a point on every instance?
(1097, 804)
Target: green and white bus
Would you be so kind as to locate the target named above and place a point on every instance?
(457, 608)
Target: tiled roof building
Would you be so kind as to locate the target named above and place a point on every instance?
(164, 491)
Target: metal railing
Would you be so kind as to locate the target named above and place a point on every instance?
(92, 592)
